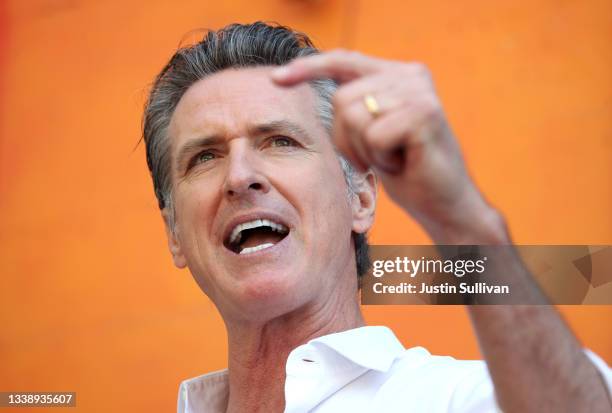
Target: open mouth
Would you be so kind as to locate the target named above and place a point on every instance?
(255, 235)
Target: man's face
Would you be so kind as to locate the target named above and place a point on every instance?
(262, 213)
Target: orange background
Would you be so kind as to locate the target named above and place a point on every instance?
(89, 299)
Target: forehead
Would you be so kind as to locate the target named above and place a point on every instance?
(230, 101)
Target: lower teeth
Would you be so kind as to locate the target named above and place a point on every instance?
(257, 248)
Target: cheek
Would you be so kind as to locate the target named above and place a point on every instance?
(328, 200)
(333, 186)
(192, 208)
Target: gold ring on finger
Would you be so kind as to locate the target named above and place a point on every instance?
(371, 105)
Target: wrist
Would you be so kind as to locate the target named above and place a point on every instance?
(471, 222)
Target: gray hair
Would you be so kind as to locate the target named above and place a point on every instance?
(234, 46)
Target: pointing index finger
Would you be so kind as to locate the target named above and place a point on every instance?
(340, 65)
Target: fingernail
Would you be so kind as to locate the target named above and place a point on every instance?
(280, 73)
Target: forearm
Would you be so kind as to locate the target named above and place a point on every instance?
(535, 362)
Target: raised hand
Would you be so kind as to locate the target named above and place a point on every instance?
(389, 117)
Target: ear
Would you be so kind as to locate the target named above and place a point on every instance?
(173, 242)
(364, 202)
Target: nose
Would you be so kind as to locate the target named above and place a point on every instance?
(244, 174)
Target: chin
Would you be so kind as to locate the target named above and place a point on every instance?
(266, 296)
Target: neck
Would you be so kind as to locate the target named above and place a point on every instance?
(258, 352)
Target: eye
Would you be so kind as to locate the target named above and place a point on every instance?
(281, 141)
(202, 157)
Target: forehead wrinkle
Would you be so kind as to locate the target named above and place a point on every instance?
(232, 90)
(217, 104)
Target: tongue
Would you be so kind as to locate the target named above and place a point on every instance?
(256, 238)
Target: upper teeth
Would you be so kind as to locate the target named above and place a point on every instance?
(237, 231)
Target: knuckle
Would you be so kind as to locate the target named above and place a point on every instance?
(431, 112)
(419, 69)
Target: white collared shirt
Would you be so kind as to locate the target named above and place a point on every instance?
(367, 370)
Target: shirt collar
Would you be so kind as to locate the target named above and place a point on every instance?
(350, 353)
(323, 366)
(207, 393)
(372, 347)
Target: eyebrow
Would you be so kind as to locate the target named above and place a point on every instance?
(193, 145)
(281, 126)
(275, 126)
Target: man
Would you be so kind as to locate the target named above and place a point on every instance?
(250, 148)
